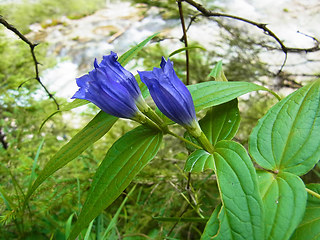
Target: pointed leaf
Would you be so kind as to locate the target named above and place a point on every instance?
(309, 227)
(241, 216)
(92, 132)
(221, 122)
(184, 49)
(199, 161)
(217, 73)
(127, 56)
(208, 94)
(287, 137)
(284, 198)
(124, 160)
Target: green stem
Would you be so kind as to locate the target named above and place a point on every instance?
(154, 117)
(203, 140)
(140, 118)
(317, 195)
(183, 139)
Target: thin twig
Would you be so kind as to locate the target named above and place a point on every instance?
(185, 40)
(35, 61)
(262, 26)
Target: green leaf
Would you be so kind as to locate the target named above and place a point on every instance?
(309, 227)
(68, 226)
(217, 73)
(284, 198)
(92, 132)
(184, 49)
(287, 137)
(88, 232)
(212, 93)
(124, 160)
(221, 122)
(199, 161)
(212, 225)
(241, 216)
(127, 56)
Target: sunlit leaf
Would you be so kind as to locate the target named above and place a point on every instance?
(287, 137)
(124, 160)
(309, 227)
(212, 93)
(284, 198)
(199, 161)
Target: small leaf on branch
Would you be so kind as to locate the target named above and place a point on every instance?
(217, 73)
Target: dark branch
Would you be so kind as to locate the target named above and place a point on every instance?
(262, 26)
(35, 61)
(185, 40)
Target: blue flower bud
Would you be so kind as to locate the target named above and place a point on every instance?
(170, 95)
(111, 87)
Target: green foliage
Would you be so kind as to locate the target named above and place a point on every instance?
(163, 201)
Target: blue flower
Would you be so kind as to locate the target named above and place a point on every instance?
(170, 95)
(111, 87)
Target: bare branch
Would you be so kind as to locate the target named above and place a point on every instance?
(262, 26)
(35, 61)
(185, 40)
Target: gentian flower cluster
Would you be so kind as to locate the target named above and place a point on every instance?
(115, 90)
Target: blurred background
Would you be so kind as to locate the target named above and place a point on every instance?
(71, 34)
